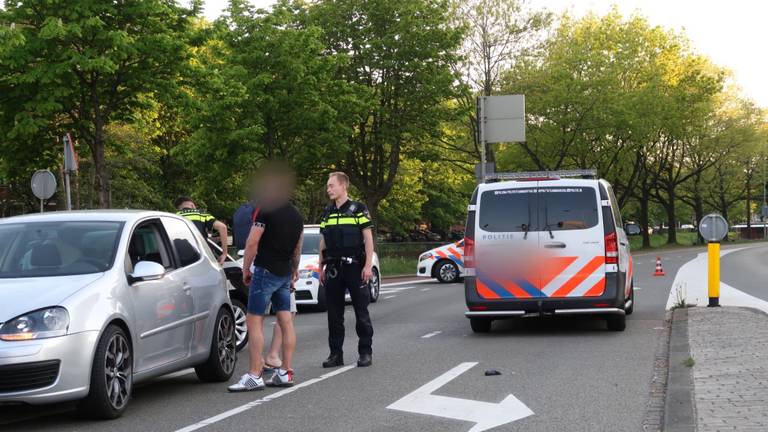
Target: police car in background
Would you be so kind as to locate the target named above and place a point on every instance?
(546, 243)
(444, 263)
(309, 290)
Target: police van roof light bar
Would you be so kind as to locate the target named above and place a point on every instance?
(533, 175)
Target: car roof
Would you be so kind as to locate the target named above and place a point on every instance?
(86, 215)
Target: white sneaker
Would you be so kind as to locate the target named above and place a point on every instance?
(281, 378)
(248, 382)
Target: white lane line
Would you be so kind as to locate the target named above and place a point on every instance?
(639, 263)
(406, 283)
(390, 297)
(638, 288)
(429, 335)
(265, 399)
(425, 289)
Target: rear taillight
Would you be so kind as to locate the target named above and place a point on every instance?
(478, 308)
(611, 248)
(469, 253)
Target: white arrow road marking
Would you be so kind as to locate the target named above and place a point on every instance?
(485, 415)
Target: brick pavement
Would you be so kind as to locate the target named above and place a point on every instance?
(730, 349)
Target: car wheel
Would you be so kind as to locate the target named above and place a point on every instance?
(480, 325)
(222, 359)
(111, 376)
(374, 285)
(616, 322)
(321, 305)
(631, 308)
(239, 311)
(447, 271)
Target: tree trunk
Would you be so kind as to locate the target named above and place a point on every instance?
(101, 182)
(749, 205)
(646, 196)
(671, 216)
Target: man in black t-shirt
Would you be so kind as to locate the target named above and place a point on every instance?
(274, 247)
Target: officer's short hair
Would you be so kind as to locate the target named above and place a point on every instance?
(181, 200)
(341, 177)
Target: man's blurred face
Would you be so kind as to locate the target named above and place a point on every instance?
(335, 188)
(188, 205)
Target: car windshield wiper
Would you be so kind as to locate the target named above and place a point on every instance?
(546, 221)
(527, 227)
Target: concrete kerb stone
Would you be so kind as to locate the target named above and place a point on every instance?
(679, 412)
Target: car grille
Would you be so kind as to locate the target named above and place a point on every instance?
(303, 295)
(28, 376)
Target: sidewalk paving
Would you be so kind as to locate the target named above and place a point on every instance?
(730, 375)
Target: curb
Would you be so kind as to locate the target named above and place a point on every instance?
(679, 409)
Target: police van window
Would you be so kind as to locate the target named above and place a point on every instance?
(567, 208)
(311, 244)
(508, 210)
(183, 241)
(615, 208)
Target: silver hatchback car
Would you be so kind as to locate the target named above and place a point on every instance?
(94, 302)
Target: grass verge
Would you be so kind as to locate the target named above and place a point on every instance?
(397, 266)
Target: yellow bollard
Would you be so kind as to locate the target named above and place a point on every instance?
(713, 258)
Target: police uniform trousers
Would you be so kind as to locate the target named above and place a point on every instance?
(340, 278)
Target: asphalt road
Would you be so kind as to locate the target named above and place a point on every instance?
(573, 374)
(747, 270)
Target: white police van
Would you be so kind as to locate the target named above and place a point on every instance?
(546, 243)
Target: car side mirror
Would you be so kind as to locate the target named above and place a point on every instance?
(146, 271)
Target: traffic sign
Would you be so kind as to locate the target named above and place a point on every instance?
(713, 227)
(43, 184)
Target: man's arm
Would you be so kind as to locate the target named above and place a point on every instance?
(296, 258)
(222, 229)
(368, 240)
(251, 248)
(321, 253)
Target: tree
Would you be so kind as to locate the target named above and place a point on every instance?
(499, 33)
(88, 63)
(400, 54)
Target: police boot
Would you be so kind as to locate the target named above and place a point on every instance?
(334, 360)
(365, 360)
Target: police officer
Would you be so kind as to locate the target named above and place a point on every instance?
(204, 222)
(346, 255)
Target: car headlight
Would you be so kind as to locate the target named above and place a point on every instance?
(39, 324)
(305, 274)
(425, 256)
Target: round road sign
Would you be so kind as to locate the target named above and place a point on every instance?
(713, 227)
(43, 184)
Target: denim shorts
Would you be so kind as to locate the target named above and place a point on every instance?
(266, 289)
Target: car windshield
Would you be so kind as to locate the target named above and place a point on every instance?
(42, 249)
(311, 245)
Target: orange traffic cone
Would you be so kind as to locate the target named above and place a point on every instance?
(659, 270)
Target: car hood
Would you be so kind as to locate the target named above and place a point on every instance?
(24, 295)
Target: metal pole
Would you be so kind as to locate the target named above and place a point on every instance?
(481, 128)
(713, 288)
(762, 210)
(41, 206)
(69, 191)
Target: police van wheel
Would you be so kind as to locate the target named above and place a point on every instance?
(447, 272)
(631, 307)
(480, 325)
(321, 305)
(616, 322)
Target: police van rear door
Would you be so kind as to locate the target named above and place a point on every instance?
(571, 238)
(506, 241)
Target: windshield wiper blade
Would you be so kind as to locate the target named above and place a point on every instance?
(546, 221)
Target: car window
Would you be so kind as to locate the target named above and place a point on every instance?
(508, 210)
(40, 249)
(615, 208)
(567, 208)
(311, 244)
(183, 241)
(147, 244)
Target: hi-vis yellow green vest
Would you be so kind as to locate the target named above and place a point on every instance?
(203, 221)
(342, 229)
